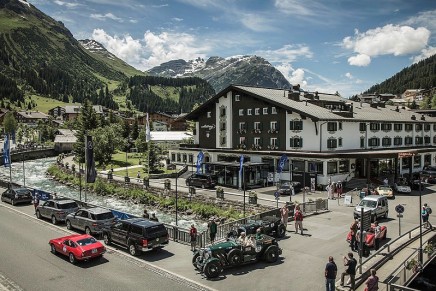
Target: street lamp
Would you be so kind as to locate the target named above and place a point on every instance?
(420, 223)
(24, 172)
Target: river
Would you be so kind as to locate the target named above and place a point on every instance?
(36, 178)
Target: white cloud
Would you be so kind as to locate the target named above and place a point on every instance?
(285, 54)
(106, 16)
(425, 19)
(425, 53)
(67, 4)
(294, 76)
(349, 76)
(169, 46)
(154, 49)
(177, 19)
(388, 40)
(125, 47)
(296, 7)
(255, 22)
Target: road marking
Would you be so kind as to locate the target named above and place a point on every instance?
(7, 284)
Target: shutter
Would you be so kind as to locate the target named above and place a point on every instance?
(291, 142)
(291, 125)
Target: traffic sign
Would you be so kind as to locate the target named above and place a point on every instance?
(277, 195)
(399, 208)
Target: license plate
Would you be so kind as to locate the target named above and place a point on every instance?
(94, 251)
(156, 245)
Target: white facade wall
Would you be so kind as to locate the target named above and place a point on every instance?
(225, 102)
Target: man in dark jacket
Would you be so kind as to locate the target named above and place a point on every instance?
(330, 274)
(351, 264)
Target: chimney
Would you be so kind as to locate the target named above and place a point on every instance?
(294, 95)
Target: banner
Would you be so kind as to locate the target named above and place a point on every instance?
(200, 157)
(6, 152)
(147, 129)
(241, 165)
(91, 173)
(281, 164)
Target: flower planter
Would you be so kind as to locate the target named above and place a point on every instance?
(252, 200)
(167, 184)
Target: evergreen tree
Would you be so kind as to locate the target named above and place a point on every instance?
(10, 124)
(135, 130)
(126, 129)
(87, 121)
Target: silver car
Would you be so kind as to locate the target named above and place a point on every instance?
(377, 204)
(56, 209)
(91, 220)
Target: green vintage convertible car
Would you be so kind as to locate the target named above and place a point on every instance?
(231, 253)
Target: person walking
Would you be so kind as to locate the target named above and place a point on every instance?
(372, 282)
(213, 228)
(193, 235)
(298, 218)
(353, 231)
(138, 177)
(351, 264)
(330, 273)
(284, 212)
(425, 213)
(35, 200)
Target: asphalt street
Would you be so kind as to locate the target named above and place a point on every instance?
(25, 258)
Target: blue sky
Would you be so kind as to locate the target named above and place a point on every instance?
(330, 46)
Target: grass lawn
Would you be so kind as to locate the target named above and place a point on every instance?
(119, 159)
(43, 104)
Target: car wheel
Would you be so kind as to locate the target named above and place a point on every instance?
(54, 220)
(195, 259)
(72, 258)
(386, 215)
(281, 231)
(235, 257)
(87, 230)
(53, 249)
(38, 214)
(132, 249)
(271, 254)
(13, 202)
(106, 239)
(212, 269)
(69, 227)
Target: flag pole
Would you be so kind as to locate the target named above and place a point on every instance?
(10, 161)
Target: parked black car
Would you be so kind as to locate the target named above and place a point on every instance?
(202, 180)
(17, 195)
(137, 234)
(286, 188)
(270, 225)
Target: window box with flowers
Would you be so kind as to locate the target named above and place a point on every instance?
(429, 249)
(220, 192)
(252, 197)
(413, 265)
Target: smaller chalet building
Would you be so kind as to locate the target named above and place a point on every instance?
(324, 137)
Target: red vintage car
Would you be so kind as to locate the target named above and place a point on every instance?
(78, 247)
(370, 235)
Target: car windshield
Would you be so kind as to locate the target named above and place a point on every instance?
(286, 186)
(68, 205)
(104, 216)
(368, 203)
(86, 241)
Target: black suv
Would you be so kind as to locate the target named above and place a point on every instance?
(202, 180)
(138, 234)
(17, 195)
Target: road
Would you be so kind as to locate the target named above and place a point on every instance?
(27, 264)
(301, 266)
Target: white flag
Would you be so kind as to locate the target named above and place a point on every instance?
(147, 130)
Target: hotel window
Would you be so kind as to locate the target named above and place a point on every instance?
(398, 141)
(344, 166)
(257, 125)
(332, 143)
(418, 127)
(317, 167)
(241, 112)
(427, 139)
(223, 140)
(173, 157)
(408, 140)
(190, 158)
(265, 110)
(179, 157)
(296, 125)
(340, 125)
(257, 141)
(434, 139)
(362, 142)
(332, 126)
(256, 111)
(296, 142)
(222, 111)
(417, 161)
(426, 127)
(374, 126)
(274, 125)
(419, 140)
(242, 140)
(249, 111)
(273, 110)
(273, 142)
(222, 126)
(434, 127)
(374, 142)
(241, 125)
(340, 142)
(237, 98)
(209, 114)
(386, 141)
(362, 126)
(398, 127)
(386, 126)
(332, 168)
(408, 127)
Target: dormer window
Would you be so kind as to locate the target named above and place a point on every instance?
(237, 97)
(209, 114)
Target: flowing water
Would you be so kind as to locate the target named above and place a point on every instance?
(36, 178)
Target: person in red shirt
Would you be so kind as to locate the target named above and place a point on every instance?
(193, 234)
